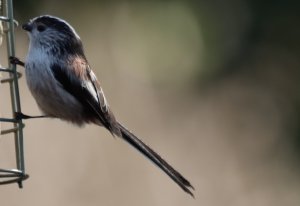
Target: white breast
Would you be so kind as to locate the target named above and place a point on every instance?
(50, 96)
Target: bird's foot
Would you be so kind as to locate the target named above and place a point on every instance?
(20, 116)
(16, 61)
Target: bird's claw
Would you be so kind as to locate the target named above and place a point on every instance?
(20, 116)
(16, 61)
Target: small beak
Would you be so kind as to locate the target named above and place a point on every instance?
(27, 27)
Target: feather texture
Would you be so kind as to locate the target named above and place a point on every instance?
(64, 86)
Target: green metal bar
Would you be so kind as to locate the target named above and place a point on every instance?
(14, 89)
(11, 78)
(8, 120)
(7, 131)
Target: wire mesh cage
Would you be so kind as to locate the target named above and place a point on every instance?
(10, 76)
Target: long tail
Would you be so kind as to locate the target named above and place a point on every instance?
(156, 159)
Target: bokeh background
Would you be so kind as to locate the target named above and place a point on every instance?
(213, 86)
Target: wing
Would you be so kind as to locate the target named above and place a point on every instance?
(80, 81)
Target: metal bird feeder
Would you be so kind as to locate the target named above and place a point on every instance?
(7, 24)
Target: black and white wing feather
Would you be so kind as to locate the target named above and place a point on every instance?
(81, 82)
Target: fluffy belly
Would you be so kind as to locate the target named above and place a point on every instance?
(52, 99)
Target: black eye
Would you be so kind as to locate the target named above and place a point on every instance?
(41, 28)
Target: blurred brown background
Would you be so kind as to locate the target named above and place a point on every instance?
(213, 86)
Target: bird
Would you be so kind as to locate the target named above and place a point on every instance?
(64, 86)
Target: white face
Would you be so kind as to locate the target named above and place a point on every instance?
(42, 35)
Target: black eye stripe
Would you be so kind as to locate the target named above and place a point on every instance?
(41, 28)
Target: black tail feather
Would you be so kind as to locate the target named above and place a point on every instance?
(156, 159)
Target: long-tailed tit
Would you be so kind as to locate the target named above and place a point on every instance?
(64, 86)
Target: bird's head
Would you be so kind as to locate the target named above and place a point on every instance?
(49, 32)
